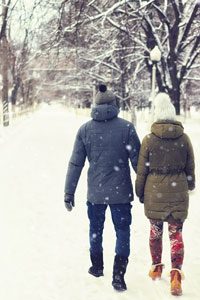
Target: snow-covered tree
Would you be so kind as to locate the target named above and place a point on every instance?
(106, 41)
(170, 24)
(174, 27)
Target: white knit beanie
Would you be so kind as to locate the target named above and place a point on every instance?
(163, 108)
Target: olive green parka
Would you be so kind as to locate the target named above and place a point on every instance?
(165, 171)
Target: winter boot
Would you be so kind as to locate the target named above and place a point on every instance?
(119, 269)
(176, 276)
(156, 271)
(97, 265)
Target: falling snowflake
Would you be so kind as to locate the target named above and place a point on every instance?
(128, 147)
(106, 198)
(159, 195)
(94, 235)
(189, 178)
(147, 164)
(174, 183)
(116, 168)
(170, 128)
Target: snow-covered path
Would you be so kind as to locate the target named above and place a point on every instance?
(44, 249)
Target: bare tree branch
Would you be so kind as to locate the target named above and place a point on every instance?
(5, 19)
(188, 28)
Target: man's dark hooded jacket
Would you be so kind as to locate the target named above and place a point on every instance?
(108, 142)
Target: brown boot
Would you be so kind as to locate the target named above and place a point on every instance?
(156, 271)
(176, 276)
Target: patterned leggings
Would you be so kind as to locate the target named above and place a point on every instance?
(176, 242)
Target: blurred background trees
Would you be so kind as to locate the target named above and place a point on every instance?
(60, 50)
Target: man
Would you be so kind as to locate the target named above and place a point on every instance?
(108, 142)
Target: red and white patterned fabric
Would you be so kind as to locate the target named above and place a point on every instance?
(176, 242)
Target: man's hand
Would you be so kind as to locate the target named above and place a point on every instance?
(69, 201)
(141, 199)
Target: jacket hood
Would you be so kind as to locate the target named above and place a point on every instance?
(104, 112)
(167, 129)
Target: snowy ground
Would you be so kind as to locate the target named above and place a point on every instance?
(44, 248)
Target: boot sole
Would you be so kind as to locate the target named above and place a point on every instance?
(118, 288)
(176, 292)
(96, 275)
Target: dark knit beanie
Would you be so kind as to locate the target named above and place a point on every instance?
(104, 96)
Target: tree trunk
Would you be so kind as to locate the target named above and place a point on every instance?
(4, 44)
(123, 92)
(5, 81)
(175, 97)
(15, 91)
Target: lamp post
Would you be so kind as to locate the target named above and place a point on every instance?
(155, 56)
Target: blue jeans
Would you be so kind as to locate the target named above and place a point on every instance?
(121, 218)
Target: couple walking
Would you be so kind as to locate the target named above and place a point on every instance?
(164, 164)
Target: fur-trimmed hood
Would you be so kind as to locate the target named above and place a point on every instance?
(104, 112)
(167, 129)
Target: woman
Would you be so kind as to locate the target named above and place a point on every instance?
(165, 173)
